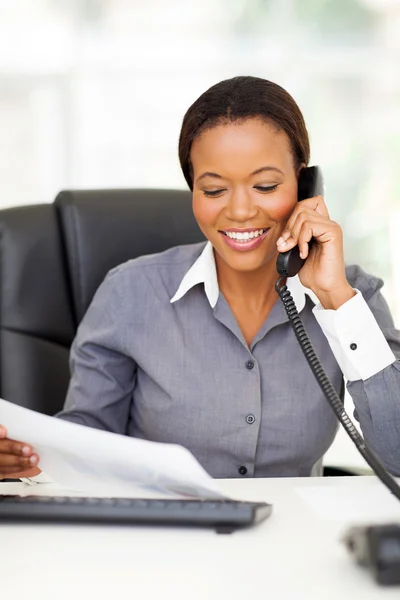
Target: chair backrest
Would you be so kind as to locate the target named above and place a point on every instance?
(53, 257)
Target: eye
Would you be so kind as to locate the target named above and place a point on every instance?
(265, 189)
(213, 193)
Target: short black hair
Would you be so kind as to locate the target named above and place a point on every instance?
(238, 99)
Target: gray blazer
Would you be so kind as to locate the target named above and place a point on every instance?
(181, 372)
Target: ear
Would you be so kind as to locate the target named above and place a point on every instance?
(301, 167)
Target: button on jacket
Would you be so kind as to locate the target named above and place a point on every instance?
(159, 356)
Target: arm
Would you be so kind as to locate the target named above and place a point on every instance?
(366, 345)
(103, 376)
(365, 335)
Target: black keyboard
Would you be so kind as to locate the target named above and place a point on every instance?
(224, 515)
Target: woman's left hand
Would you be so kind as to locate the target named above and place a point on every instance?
(324, 270)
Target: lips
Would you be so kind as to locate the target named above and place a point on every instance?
(244, 246)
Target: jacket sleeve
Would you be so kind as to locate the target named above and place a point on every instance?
(366, 344)
(103, 376)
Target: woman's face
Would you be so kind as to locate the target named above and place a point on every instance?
(244, 190)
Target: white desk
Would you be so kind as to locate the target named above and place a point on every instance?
(295, 554)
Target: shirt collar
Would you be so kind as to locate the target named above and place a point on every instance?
(204, 271)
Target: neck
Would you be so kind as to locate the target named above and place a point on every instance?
(255, 288)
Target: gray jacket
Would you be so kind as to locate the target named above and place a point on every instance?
(181, 372)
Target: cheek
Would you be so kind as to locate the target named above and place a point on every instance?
(205, 210)
(281, 207)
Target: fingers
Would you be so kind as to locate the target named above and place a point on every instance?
(16, 466)
(303, 226)
(23, 462)
(15, 457)
(304, 236)
(8, 446)
(12, 473)
(302, 229)
(11, 465)
(316, 204)
(312, 206)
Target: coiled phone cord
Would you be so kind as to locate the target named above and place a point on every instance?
(329, 391)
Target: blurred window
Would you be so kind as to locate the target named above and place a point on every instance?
(92, 94)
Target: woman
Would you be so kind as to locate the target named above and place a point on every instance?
(193, 346)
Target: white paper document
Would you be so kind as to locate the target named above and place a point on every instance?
(85, 459)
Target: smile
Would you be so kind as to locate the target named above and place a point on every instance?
(244, 240)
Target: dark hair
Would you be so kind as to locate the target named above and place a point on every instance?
(238, 99)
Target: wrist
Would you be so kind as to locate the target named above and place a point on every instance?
(334, 299)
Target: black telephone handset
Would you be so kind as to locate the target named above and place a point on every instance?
(310, 184)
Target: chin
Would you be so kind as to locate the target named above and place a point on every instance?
(246, 261)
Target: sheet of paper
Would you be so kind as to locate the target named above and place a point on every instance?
(86, 459)
(348, 502)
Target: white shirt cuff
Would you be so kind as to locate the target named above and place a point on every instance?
(41, 478)
(355, 338)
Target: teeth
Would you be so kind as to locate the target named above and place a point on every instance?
(244, 237)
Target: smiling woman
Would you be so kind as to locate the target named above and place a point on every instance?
(192, 346)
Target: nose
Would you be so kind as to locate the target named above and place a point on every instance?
(240, 207)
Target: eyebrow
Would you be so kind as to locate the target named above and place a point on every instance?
(267, 168)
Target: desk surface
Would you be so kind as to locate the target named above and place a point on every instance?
(295, 554)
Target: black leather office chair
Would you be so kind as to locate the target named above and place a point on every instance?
(53, 257)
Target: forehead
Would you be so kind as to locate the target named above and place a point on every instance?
(241, 146)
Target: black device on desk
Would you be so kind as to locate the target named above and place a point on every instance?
(223, 515)
(377, 547)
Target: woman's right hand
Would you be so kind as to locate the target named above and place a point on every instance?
(17, 459)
